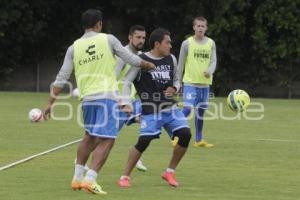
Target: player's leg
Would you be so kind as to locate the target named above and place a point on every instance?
(105, 129)
(199, 114)
(128, 120)
(86, 167)
(176, 127)
(85, 147)
(135, 154)
(179, 150)
(100, 155)
(202, 105)
(189, 98)
(135, 118)
(122, 118)
(149, 130)
(101, 152)
(184, 136)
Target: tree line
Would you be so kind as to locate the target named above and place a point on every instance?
(257, 40)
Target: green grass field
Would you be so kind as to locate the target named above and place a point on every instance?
(253, 160)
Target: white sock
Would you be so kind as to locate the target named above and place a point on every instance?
(91, 175)
(78, 173)
(170, 170)
(122, 177)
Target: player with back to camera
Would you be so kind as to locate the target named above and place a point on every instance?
(92, 58)
(136, 37)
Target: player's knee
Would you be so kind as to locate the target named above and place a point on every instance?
(184, 136)
(143, 143)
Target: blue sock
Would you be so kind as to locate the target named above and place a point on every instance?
(199, 123)
(186, 111)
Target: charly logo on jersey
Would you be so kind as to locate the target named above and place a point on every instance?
(92, 56)
(161, 74)
(91, 50)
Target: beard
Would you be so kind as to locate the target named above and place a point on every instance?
(138, 47)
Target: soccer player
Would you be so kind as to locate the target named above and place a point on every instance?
(136, 37)
(198, 59)
(92, 58)
(156, 89)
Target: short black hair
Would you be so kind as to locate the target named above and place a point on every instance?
(90, 17)
(157, 36)
(136, 28)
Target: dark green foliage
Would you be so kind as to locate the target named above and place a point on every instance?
(257, 41)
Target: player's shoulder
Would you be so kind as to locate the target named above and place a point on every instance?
(173, 58)
(210, 39)
(111, 38)
(70, 50)
(186, 40)
(185, 43)
(143, 55)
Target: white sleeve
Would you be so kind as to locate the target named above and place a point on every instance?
(120, 66)
(213, 61)
(176, 74)
(122, 52)
(182, 57)
(128, 81)
(66, 69)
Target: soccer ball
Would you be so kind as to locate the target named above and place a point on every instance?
(35, 115)
(238, 100)
(75, 93)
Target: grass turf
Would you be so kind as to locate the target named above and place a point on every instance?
(252, 159)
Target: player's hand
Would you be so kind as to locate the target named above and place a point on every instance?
(206, 74)
(126, 108)
(137, 119)
(170, 91)
(47, 112)
(147, 65)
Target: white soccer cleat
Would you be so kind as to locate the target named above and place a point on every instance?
(140, 166)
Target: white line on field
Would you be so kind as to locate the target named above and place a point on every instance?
(39, 154)
(276, 140)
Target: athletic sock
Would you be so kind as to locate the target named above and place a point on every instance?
(199, 124)
(91, 175)
(170, 170)
(78, 173)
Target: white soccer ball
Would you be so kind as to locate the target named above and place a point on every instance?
(75, 92)
(35, 115)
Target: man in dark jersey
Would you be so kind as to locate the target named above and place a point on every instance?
(156, 89)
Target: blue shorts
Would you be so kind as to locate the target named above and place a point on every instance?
(171, 120)
(125, 119)
(195, 97)
(100, 117)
